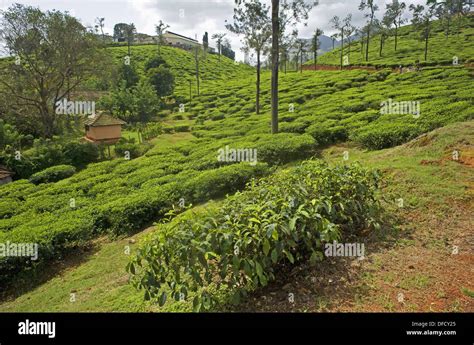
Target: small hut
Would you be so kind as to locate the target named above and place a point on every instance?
(103, 128)
(5, 175)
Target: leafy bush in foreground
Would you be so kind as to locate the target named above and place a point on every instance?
(282, 219)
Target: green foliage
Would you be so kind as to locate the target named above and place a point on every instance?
(162, 80)
(441, 49)
(53, 174)
(48, 153)
(79, 154)
(128, 74)
(133, 149)
(155, 62)
(277, 221)
(137, 104)
(388, 135)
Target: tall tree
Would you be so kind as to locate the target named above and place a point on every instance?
(349, 30)
(52, 48)
(252, 20)
(285, 13)
(315, 45)
(339, 25)
(198, 55)
(395, 12)
(383, 28)
(160, 30)
(130, 32)
(334, 38)
(422, 22)
(219, 38)
(371, 7)
(120, 32)
(205, 42)
(301, 46)
(100, 22)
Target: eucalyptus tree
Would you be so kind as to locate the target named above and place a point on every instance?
(130, 32)
(334, 38)
(394, 12)
(160, 30)
(422, 22)
(384, 30)
(252, 21)
(284, 14)
(371, 8)
(340, 25)
(100, 22)
(219, 38)
(349, 30)
(315, 45)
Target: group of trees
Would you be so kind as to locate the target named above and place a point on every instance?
(393, 18)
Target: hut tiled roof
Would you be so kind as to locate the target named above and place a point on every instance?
(102, 119)
(4, 172)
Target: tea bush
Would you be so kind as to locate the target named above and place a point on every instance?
(53, 174)
(276, 221)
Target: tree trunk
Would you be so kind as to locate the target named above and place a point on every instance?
(315, 58)
(381, 46)
(396, 37)
(426, 45)
(368, 41)
(342, 45)
(274, 83)
(197, 70)
(301, 62)
(447, 29)
(257, 102)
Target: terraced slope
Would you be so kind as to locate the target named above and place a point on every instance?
(122, 196)
(414, 259)
(441, 50)
(183, 65)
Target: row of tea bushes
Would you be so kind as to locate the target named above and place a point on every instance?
(279, 220)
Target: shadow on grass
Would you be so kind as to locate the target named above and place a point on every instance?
(334, 283)
(30, 279)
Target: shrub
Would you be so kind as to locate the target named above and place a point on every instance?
(134, 150)
(284, 147)
(386, 135)
(279, 220)
(162, 80)
(327, 132)
(53, 174)
(80, 154)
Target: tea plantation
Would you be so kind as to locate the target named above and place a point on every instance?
(441, 49)
(317, 109)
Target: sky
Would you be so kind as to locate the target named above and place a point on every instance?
(193, 17)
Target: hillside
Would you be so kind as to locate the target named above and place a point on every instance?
(182, 64)
(415, 258)
(118, 198)
(410, 48)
